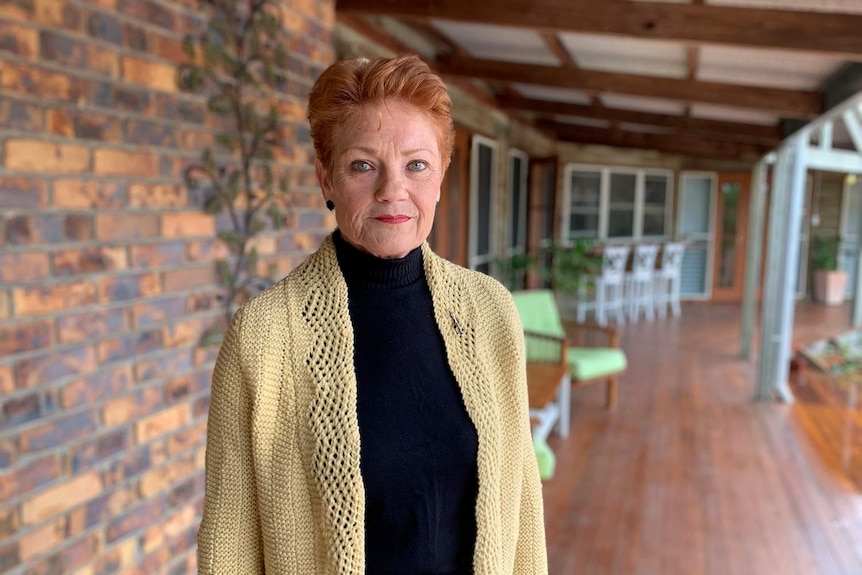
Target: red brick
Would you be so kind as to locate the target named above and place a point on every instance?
(97, 387)
(40, 156)
(205, 355)
(91, 324)
(158, 255)
(48, 299)
(22, 193)
(129, 346)
(123, 226)
(90, 260)
(183, 333)
(18, 115)
(72, 52)
(160, 478)
(143, 402)
(104, 27)
(187, 439)
(58, 14)
(162, 423)
(188, 278)
(59, 123)
(23, 267)
(165, 365)
(8, 453)
(7, 384)
(150, 133)
(157, 196)
(9, 557)
(138, 518)
(17, 10)
(168, 528)
(14, 483)
(201, 302)
(119, 163)
(121, 557)
(48, 367)
(207, 251)
(122, 288)
(98, 127)
(25, 337)
(151, 74)
(45, 85)
(43, 539)
(58, 431)
(88, 194)
(48, 229)
(186, 224)
(8, 522)
(158, 311)
(97, 450)
(18, 410)
(74, 555)
(18, 40)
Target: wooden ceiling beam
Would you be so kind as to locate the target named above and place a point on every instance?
(833, 33)
(684, 145)
(769, 135)
(793, 103)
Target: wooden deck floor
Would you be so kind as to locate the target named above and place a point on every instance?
(691, 477)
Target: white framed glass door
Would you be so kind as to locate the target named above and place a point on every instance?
(695, 218)
(483, 182)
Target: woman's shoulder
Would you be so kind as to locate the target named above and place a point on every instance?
(482, 286)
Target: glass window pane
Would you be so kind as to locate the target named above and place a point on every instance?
(484, 203)
(581, 223)
(654, 223)
(696, 205)
(485, 268)
(621, 223)
(623, 188)
(655, 190)
(516, 194)
(586, 189)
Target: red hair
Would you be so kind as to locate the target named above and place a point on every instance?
(349, 85)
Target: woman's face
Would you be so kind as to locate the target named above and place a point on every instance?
(385, 179)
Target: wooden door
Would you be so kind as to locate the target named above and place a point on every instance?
(449, 234)
(731, 229)
(541, 214)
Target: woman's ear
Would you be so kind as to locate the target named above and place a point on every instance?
(322, 179)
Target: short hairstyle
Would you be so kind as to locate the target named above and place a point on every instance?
(349, 85)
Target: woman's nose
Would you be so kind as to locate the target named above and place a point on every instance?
(392, 186)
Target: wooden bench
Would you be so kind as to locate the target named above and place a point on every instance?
(548, 389)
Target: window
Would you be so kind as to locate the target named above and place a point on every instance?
(517, 202)
(483, 162)
(617, 203)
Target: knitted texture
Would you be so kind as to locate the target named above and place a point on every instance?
(284, 492)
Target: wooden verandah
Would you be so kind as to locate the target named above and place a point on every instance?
(690, 477)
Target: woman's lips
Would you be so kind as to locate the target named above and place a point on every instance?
(400, 219)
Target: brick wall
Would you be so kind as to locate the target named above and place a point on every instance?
(107, 278)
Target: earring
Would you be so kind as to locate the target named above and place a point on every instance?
(330, 205)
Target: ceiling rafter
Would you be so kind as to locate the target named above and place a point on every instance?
(682, 144)
(769, 135)
(791, 102)
(821, 32)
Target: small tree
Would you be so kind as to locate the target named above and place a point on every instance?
(238, 63)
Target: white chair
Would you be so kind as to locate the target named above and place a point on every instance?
(639, 282)
(608, 288)
(667, 279)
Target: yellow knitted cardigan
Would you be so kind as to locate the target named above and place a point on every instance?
(284, 494)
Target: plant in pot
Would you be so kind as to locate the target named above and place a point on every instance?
(829, 281)
(572, 266)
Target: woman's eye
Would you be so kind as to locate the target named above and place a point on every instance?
(417, 165)
(361, 166)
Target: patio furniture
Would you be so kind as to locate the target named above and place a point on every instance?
(640, 281)
(591, 352)
(668, 278)
(607, 288)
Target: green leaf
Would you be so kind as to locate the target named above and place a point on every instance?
(220, 104)
(251, 261)
(189, 45)
(213, 204)
(225, 274)
(276, 216)
(256, 226)
(214, 335)
(227, 140)
(231, 239)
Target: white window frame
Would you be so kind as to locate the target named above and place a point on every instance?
(522, 197)
(710, 239)
(604, 201)
(475, 259)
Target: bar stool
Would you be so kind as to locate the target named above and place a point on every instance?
(609, 296)
(640, 281)
(668, 278)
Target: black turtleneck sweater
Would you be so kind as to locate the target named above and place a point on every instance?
(418, 445)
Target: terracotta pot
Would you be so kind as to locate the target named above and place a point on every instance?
(829, 286)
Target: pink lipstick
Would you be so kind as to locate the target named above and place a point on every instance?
(399, 219)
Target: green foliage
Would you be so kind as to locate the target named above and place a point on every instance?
(237, 63)
(825, 251)
(512, 270)
(572, 265)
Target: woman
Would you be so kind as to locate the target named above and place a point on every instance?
(369, 412)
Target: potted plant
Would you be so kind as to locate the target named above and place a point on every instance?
(572, 266)
(829, 281)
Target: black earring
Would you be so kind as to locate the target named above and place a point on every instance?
(330, 205)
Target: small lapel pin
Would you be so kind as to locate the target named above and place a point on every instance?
(455, 324)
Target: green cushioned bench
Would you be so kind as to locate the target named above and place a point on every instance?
(544, 333)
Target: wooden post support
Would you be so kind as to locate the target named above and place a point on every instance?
(754, 254)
